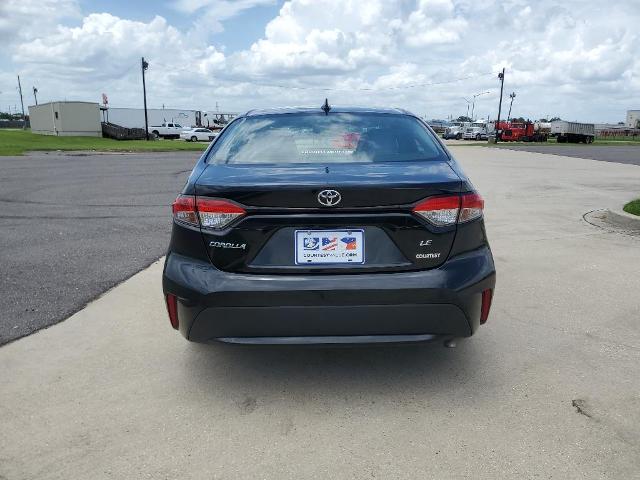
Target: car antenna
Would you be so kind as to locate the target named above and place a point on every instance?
(326, 107)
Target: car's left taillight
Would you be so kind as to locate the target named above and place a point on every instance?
(210, 213)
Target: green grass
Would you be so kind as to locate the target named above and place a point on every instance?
(633, 207)
(17, 142)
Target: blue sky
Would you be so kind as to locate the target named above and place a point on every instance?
(239, 31)
(577, 60)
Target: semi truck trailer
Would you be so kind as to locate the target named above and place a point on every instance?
(573, 132)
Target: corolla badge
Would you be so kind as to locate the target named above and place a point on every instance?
(329, 198)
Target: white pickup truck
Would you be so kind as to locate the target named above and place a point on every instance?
(167, 130)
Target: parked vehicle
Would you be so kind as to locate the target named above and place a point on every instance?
(167, 130)
(573, 132)
(198, 135)
(134, 117)
(524, 132)
(455, 130)
(438, 126)
(477, 131)
(340, 225)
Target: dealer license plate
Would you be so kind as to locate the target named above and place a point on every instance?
(329, 246)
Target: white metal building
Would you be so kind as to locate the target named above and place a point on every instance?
(66, 119)
(633, 118)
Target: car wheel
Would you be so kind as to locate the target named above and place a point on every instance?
(155, 134)
(478, 137)
(194, 139)
(458, 136)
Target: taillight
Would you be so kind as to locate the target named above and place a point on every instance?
(440, 211)
(217, 214)
(487, 296)
(172, 309)
(184, 210)
(205, 212)
(472, 206)
(447, 210)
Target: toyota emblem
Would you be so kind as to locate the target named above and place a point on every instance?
(329, 198)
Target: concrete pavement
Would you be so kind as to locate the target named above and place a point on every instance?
(549, 388)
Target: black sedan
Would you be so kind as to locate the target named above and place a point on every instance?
(328, 225)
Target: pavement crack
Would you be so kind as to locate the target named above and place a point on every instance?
(581, 407)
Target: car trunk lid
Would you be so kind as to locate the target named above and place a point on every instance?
(374, 209)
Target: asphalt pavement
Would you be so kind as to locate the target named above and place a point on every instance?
(74, 225)
(629, 154)
(548, 388)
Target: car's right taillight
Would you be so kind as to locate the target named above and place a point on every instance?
(444, 211)
(439, 211)
(205, 212)
(472, 206)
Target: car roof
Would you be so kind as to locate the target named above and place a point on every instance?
(317, 109)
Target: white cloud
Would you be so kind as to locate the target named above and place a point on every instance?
(578, 59)
(211, 14)
(20, 19)
(432, 22)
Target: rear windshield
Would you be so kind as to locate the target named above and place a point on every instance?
(320, 138)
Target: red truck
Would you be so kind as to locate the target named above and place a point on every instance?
(523, 132)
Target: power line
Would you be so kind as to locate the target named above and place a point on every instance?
(340, 89)
(376, 89)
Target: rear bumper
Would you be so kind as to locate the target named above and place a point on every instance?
(408, 306)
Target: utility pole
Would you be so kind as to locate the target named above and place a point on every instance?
(145, 65)
(512, 96)
(24, 120)
(501, 77)
(35, 94)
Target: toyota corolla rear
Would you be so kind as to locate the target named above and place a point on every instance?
(328, 226)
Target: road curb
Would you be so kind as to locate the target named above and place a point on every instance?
(624, 219)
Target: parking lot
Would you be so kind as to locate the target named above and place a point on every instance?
(547, 389)
(74, 225)
(606, 153)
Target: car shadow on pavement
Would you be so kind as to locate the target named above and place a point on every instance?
(375, 371)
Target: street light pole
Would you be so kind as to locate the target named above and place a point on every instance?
(145, 65)
(474, 103)
(468, 103)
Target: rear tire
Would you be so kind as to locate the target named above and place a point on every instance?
(194, 139)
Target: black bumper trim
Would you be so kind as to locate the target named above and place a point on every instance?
(334, 340)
